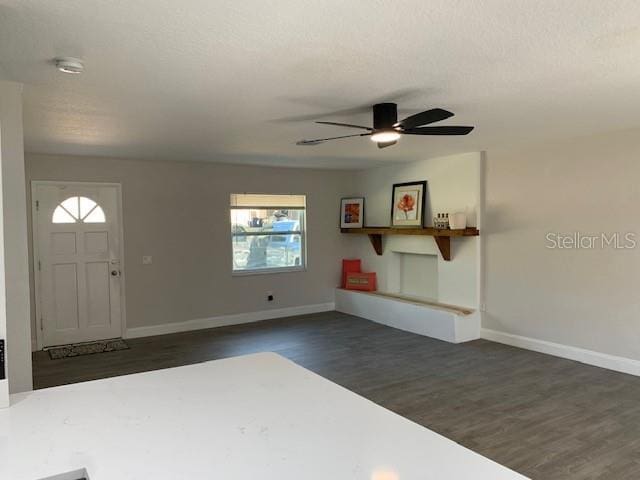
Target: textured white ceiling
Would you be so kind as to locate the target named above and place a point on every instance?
(208, 79)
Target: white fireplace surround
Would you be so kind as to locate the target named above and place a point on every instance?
(410, 296)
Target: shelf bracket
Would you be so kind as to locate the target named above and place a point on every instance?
(376, 242)
(444, 245)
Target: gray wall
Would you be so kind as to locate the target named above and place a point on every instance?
(179, 214)
(586, 298)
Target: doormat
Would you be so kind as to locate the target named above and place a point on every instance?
(65, 351)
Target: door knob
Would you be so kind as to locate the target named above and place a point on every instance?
(115, 273)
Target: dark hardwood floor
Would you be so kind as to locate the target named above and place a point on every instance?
(545, 417)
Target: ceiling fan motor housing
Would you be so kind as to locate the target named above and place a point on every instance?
(385, 116)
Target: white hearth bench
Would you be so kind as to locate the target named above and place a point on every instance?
(444, 322)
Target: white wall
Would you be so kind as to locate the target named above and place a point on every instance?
(453, 184)
(179, 214)
(582, 298)
(15, 275)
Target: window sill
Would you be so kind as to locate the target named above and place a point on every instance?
(265, 271)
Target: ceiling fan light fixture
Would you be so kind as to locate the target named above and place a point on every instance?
(385, 136)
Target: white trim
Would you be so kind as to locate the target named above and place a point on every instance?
(264, 271)
(590, 357)
(36, 273)
(224, 320)
(4, 391)
(35, 253)
(480, 257)
(303, 240)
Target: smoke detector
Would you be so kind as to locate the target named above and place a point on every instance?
(69, 65)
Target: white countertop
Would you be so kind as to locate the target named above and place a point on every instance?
(256, 417)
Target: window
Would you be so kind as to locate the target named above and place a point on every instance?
(268, 232)
(78, 209)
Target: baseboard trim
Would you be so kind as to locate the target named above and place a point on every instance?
(225, 320)
(590, 357)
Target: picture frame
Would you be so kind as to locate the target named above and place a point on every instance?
(352, 212)
(408, 204)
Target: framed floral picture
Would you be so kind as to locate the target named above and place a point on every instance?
(352, 212)
(408, 201)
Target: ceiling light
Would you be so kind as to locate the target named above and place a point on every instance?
(69, 65)
(385, 136)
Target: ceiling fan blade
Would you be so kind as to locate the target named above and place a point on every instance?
(386, 144)
(444, 130)
(346, 125)
(318, 141)
(424, 118)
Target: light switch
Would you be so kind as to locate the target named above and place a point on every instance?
(147, 260)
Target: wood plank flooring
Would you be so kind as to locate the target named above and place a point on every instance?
(545, 417)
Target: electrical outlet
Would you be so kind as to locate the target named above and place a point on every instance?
(147, 260)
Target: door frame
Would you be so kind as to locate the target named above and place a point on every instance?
(36, 254)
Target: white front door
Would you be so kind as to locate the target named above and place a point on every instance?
(77, 261)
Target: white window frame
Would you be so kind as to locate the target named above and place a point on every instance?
(303, 239)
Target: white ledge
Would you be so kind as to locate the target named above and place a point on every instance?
(444, 322)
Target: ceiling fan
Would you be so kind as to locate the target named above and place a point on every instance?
(387, 130)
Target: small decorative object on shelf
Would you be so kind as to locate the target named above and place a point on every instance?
(352, 212)
(458, 221)
(365, 281)
(350, 266)
(441, 220)
(408, 203)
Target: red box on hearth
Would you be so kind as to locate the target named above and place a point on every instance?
(350, 266)
(365, 281)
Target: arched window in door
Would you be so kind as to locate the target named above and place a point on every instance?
(78, 210)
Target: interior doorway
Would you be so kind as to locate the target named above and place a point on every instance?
(79, 271)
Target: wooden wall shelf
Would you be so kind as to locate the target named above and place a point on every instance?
(442, 236)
